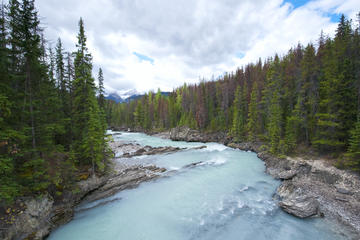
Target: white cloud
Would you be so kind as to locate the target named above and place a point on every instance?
(187, 39)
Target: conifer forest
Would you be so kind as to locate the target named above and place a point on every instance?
(308, 97)
(54, 117)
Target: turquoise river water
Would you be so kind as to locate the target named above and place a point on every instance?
(227, 196)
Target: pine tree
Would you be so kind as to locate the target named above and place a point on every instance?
(274, 125)
(139, 115)
(61, 79)
(353, 152)
(88, 127)
(239, 115)
(101, 89)
(329, 134)
(307, 104)
(253, 120)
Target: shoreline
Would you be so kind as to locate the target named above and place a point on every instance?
(42, 214)
(309, 188)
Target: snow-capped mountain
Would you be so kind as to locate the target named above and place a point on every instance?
(124, 94)
(128, 95)
(115, 97)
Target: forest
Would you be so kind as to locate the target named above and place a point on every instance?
(52, 118)
(309, 97)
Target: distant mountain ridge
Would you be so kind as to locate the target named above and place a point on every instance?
(118, 99)
(115, 97)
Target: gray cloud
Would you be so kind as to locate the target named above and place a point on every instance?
(186, 38)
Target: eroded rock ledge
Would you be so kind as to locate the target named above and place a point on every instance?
(43, 214)
(309, 188)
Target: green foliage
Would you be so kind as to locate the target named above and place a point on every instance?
(353, 152)
(50, 123)
(274, 126)
(89, 147)
(239, 115)
(253, 121)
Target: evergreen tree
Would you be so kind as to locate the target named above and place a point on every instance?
(101, 90)
(88, 129)
(307, 104)
(353, 152)
(329, 133)
(253, 121)
(274, 125)
(239, 115)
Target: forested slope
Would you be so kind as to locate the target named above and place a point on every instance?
(52, 125)
(309, 96)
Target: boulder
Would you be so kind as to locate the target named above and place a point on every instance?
(302, 207)
(295, 201)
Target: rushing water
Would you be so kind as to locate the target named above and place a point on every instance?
(227, 196)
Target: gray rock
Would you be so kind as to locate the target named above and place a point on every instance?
(300, 207)
(295, 201)
(200, 147)
(344, 191)
(33, 220)
(190, 135)
(286, 175)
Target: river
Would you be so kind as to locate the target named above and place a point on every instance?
(226, 196)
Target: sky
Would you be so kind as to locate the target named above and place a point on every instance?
(150, 44)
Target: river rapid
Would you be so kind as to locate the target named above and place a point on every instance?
(211, 193)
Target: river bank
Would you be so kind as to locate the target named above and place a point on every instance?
(41, 215)
(309, 188)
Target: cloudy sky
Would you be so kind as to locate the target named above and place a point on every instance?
(150, 44)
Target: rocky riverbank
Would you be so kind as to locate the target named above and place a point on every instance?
(309, 188)
(42, 214)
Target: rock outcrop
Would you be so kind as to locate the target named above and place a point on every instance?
(313, 188)
(190, 135)
(309, 188)
(42, 214)
(148, 150)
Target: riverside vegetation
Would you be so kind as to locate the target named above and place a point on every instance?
(53, 117)
(52, 120)
(310, 97)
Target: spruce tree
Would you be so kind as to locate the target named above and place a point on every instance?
(101, 89)
(239, 115)
(353, 152)
(274, 125)
(253, 120)
(88, 129)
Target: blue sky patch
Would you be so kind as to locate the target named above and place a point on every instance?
(240, 55)
(142, 57)
(335, 17)
(297, 3)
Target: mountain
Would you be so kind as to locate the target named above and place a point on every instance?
(128, 93)
(137, 96)
(115, 97)
(128, 98)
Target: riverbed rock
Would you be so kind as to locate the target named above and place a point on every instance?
(295, 202)
(130, 177)
(33, 221)
(309, 188)
(286, 175)
(198, 148)
(129, 150)
(344, 191)
(148, 150)
(42, 214)
(190, 135)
